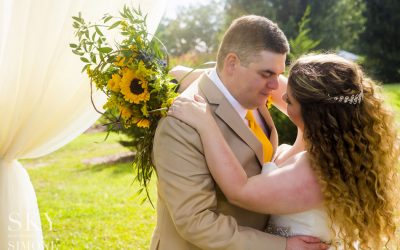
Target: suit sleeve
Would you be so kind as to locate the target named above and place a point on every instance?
(188, 190)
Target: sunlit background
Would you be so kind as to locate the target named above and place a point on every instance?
(95, 206)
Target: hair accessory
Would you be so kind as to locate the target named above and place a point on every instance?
(350, 99)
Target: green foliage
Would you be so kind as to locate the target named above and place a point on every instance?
(286, 13)
(382, 36)
(90, 207)
(302, 44)
(287, 131)
(195, 28)
(133, 72)
(336, 23)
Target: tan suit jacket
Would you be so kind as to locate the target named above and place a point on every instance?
(192, 212)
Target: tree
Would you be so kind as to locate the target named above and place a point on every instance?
(336, 23)
(382, 36)
(195, 28)
(286, 13)
(302, 44)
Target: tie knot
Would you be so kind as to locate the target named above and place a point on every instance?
(249, 116)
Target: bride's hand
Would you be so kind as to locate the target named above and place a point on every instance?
(195, 112)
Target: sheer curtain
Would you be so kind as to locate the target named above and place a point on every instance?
(44, 99)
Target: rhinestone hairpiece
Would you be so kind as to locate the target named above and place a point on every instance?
(350, 99)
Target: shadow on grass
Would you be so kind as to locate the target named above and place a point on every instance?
(116, 169)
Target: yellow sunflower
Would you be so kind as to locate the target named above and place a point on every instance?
(143, 123)
(113, 83)
(134, 87)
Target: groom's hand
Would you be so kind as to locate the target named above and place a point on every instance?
(305, 243)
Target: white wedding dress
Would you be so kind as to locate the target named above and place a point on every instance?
(311, 222)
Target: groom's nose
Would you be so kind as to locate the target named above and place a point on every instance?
(273, 82)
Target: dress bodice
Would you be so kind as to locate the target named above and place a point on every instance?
(312, 222)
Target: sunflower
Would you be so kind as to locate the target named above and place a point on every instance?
(134, 87)
(113, 83)
(143, 123)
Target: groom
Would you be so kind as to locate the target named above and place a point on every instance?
(192, 212)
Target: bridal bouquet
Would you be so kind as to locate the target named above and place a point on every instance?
(133, 72)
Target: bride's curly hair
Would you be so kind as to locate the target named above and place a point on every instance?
(353, 149)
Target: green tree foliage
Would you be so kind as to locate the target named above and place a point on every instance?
(336, 23)
(287, 131)
(382, 36)
(302, 43)
(286, 13)
(196, 27)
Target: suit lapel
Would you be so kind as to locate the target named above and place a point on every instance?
(225, 111)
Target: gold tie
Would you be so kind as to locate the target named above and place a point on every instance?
(259, 133)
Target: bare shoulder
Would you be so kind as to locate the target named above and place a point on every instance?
(303, 164)
(282, 148)
(307, 176)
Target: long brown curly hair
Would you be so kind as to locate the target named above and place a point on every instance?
(353, 149)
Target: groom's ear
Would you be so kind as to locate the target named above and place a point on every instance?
(231, 63)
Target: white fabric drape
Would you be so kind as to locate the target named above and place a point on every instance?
(44, 99)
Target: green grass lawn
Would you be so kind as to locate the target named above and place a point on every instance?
(392, 91)
(96, 207)
(90, 207)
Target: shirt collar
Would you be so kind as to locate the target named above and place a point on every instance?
(213, 75)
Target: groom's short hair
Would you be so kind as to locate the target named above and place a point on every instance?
(248, 35)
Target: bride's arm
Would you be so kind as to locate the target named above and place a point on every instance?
(286, 190)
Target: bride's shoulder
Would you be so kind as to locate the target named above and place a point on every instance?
(302, 162)
(282, 148)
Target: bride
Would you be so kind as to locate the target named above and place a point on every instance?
(346, 148)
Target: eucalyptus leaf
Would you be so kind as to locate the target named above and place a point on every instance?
(85, 67)
(107, 19)
(104, 49)
(98, 31)
(83, 59)
(78, 19)
(93, 57)
(114, 25)
(78, 53)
